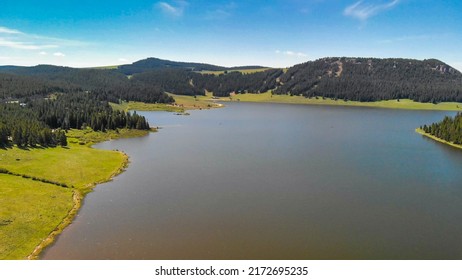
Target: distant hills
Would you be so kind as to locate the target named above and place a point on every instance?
(148, 80)
(152, 63)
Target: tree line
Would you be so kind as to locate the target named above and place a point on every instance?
(449, 129)
(44, 121)
(21, 126)
(357, 79)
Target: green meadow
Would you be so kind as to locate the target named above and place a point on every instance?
(406, 104)
(29, 211)
(33, 208)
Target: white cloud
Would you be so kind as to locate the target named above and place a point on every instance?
(6, 30)
(175, 10)
(59, 54)
(362, 11)
(16, 39)
(23, 45)
(43, 53)
(123, 60)
(291, 53)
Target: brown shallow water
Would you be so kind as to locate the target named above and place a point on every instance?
(266, 181)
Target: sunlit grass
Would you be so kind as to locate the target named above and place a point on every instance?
(29, 211)
(243, 71)
(391, 104)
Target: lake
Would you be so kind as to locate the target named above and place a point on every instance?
(273, 181)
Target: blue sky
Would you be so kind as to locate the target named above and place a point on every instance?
(272, 33)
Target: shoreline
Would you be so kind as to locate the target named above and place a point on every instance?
(423, 133)
(401, 104)
(77, 197)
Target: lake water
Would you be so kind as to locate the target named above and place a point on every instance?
(267, 181)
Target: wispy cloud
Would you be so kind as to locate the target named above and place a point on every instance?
(59, 54)
(16, 39)
(9, 31)
(122, 59)
(221, 12)
(292, 53)
(409, 38)
(175, 10)
(4, 42)
(363, 10)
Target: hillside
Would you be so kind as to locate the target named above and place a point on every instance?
(371, 79)
(357, 79)
(152, 63)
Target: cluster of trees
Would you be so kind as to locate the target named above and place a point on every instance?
(21, 126)
(187, 82)
(14, 87)
(238, 82)
(42, 80)
(449, 129)
(81, 110)
(44, 121)
(368, 79)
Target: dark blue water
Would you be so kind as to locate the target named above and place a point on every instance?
(266, 181)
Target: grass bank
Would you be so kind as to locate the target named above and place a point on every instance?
(207, 101)
(141, 106)
(243, 71)
(32, 212)
(420, 131)
(182, 104)
(406, 104)
(29, 211)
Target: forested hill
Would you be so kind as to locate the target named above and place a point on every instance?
(152, 63)
(358, 79)
(370, 79)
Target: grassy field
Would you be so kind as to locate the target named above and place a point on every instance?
(391, 104)
(89, 137)
(182, 103)
(33, 212)
(105, 67)
(243, 71)
(141, 106)
(29, 211)
(420, 131)
(77, 165)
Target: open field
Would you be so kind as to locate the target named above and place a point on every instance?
(391, 104)
(77, 165)
(32, 212)
(109, 67)
(243, 71)
(182, 103)
(29, 211)
(89, 137)
(141, 106)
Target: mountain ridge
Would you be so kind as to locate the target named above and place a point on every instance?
(148, 80)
